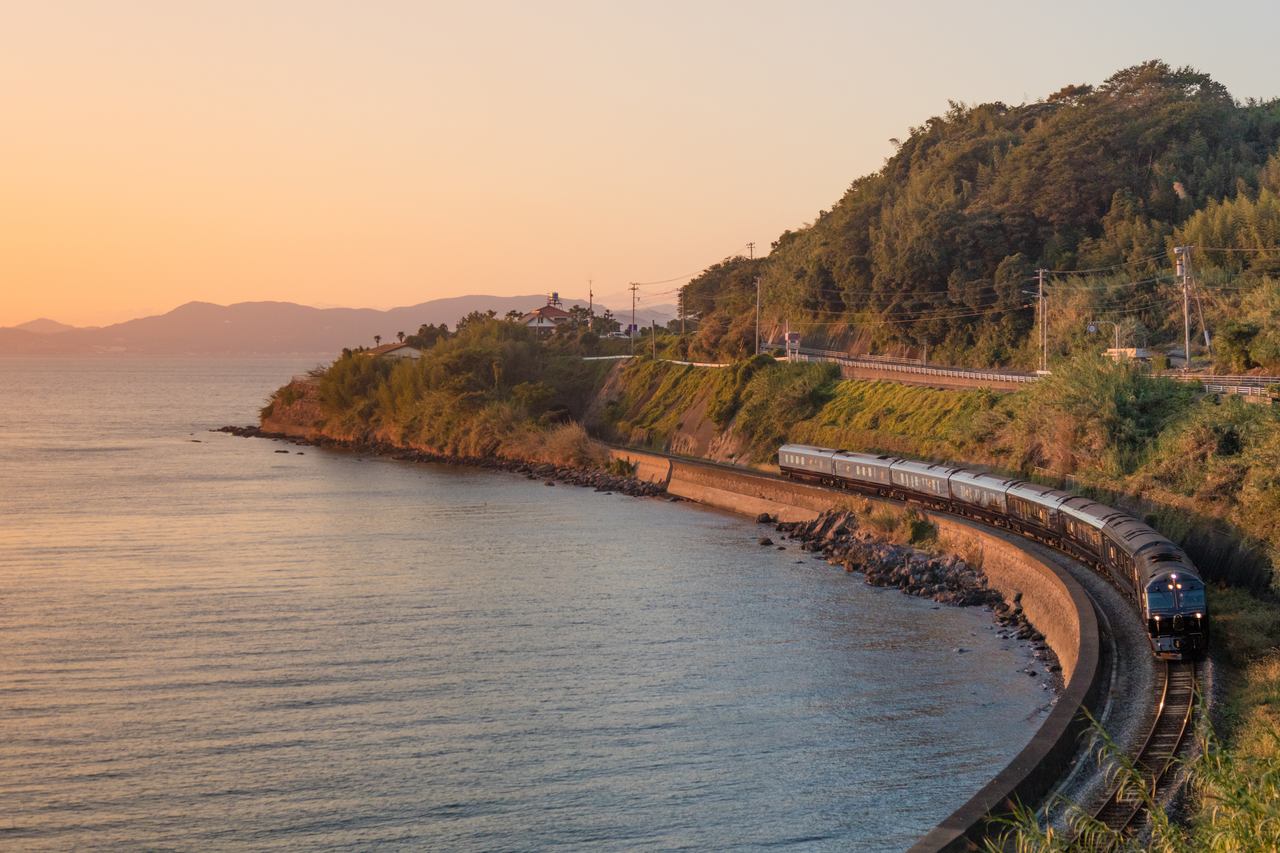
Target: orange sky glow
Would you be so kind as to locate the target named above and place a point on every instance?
(385, 154)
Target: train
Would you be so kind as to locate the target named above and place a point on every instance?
(1154, 574)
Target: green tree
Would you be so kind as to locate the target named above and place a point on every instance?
(475, 318)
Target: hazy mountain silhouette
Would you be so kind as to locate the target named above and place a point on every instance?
(44, 326)
(202, 328)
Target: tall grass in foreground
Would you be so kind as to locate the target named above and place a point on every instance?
(1238, 796)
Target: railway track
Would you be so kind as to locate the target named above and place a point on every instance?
(1125, 810)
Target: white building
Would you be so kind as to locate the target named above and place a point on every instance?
(395, 351)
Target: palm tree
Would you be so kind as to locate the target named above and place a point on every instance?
(377, 340)
(400, 335)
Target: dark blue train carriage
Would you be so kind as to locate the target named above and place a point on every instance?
(1153, 572)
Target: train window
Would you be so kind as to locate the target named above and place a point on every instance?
(1192, 594)
(1160, 596)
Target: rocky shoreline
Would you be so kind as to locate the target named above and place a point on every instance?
(601, 481)
(950, 580)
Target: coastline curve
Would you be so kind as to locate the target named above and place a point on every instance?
(1054, 602)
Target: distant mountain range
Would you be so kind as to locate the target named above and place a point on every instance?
(44, 326)
(250, 328)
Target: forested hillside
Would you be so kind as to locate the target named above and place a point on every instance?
(1096, 184)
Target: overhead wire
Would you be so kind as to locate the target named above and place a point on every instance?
(900, 320)
(1093, 270)
(1258, 250)
(988, 285)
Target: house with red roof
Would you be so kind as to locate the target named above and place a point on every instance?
(548, 318)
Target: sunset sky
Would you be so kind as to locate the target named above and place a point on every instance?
(381, 154)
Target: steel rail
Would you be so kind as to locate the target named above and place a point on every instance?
(1122, 809)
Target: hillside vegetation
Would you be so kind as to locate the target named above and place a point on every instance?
(1095, 183)
(490, 389)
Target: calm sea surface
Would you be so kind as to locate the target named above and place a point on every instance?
(206, 644)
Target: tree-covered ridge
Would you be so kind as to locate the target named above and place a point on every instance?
(938, 246)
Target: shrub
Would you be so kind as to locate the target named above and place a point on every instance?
(919, 530)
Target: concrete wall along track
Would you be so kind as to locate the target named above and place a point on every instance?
(1052, 600)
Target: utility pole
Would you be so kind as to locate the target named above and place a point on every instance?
(751, 251)
(653, 334)
(757, 312)
(1183, 262)
(1044, 325)
(591, 299)
(631, 332)
(681, 303)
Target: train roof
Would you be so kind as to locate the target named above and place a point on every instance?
(1172, 564)
(871, 458)
(1090, 512)
(1154, 555)
(1036, 493)
(807, 448)
(1136, 537)
(981, 480)
(925, 468)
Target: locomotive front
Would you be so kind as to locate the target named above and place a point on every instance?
(1177, 615)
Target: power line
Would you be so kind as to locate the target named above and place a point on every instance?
(989, 301)
(989, 285)
(689, 275)
(1255, 251)
(899, 321)
(1118, 284)
(1092, 270)
(684, 277)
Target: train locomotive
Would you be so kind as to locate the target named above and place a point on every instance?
(1152, 572)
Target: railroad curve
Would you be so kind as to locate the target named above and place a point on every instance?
(1125, 807)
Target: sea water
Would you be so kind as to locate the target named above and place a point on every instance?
(207, 644)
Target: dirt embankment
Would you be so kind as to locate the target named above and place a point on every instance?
(689, 429)
(295, 411)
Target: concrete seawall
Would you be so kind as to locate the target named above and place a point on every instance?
(1052, 600)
